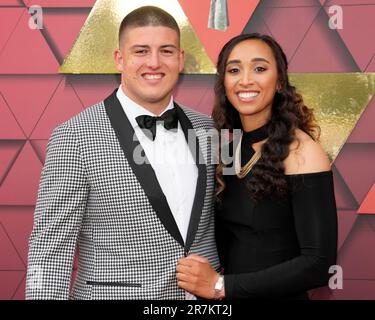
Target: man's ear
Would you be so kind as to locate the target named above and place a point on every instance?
(182, 60)
(118, 60)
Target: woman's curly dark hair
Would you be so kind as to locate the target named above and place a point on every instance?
(288, 113)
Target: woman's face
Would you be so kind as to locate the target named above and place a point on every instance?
(251, 79)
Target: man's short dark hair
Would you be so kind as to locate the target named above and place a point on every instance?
(148, 16)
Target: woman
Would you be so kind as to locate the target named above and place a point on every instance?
(276, 221)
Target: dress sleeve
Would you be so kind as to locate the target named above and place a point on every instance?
(315, 218)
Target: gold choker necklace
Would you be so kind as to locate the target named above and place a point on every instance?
(242, 172)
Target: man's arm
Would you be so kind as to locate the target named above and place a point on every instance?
(61, 203)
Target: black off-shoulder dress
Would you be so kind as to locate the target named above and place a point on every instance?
(276, 248)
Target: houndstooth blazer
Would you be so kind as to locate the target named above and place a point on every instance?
(94, 197)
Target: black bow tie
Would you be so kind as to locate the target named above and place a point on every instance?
(148, 123)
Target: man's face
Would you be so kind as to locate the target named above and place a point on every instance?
(150, 60)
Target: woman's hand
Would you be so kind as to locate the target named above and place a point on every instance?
(195, 275)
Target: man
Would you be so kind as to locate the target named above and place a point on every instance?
(124, 185)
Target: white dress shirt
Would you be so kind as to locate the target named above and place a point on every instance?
(172, 161)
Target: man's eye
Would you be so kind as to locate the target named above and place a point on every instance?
(167, 52)
(140, 52)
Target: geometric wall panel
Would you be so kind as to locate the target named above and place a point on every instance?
(355, 164)
(18, 223)
(11, 281)
(354, 257)
(9, 17)
(93, 88)
(197, 88)
(19, 294)
(61, 3)
(359, 20)
(33, 57)
(324, 293)
(20, 186)
(40, 148)
(11, 3)
(61, 27)
(348, 2)
(9, 151)
(312, 46)
(63, 105)
(322, 49)
(344, 198)
(371, 222)
(239, 13)
(371, 66)
(345, 3)
(205, 105)
(368, 205)
(279, 23)
(9, 128)
(364, 130)
(28, 96)
(346, 220)
(289, 3)
(9, 257)
(359, 289)
(257, 21)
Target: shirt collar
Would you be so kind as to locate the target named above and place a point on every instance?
(133, 110)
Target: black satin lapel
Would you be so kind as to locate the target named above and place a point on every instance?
(144, 172)
(200, 191)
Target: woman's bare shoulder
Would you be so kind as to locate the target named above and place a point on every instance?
(306, 156)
